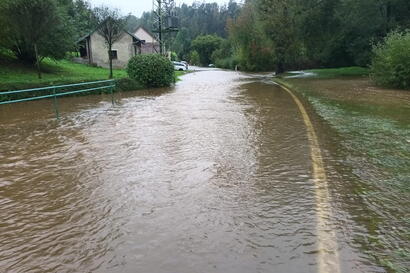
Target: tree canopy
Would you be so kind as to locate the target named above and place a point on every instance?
(45, 30)
(205, 45)
(315, 33)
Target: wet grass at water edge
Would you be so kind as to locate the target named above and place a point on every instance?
(375, 127)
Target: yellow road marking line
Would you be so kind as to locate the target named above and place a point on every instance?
(328, 254)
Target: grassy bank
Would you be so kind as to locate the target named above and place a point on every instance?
(15, 75)
(372, 156)
(353, 71)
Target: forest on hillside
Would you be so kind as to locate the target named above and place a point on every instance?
(284, 34)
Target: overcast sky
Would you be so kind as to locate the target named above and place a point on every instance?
(136, 7)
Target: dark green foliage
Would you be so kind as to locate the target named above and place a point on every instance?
(127, 84)
(205, 45)
(230, 62)
(194, 58)
(151, 70)
(391, 61)
(82, 17)
(182, 43)
(194, 20)
(174, 56)
(41, 23)
(320, 29)
(253, 51)
(223, 57)
(312, 33)
(279, 19)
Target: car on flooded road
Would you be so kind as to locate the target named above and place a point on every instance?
(186, 64)
(179, 66)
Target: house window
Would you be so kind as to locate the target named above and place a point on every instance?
(114, 54)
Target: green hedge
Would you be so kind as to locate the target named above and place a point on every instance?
(151, 70)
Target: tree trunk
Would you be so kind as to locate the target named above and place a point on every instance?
(110, 59)
(37, 61)
(280, 68)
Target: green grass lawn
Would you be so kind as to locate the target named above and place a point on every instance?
(340, 72)
(14, 75)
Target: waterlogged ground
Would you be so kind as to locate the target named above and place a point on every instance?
(212, 175)
(372, 126)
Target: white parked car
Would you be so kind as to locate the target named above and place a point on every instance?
(186, 64)
(179, 66)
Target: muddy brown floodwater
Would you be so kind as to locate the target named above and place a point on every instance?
(212, 175)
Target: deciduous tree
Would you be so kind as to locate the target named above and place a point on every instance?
(279, 20)
(111, 27)
(205, 45)
(36, 29)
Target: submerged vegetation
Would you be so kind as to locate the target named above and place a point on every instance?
(340, 72)
(374, 130)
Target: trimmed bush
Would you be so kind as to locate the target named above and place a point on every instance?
(151, 70)
(391, 61)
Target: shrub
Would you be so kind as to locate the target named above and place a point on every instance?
(127, 84)
(229, 62)
(174, 56)
(391, 61)
(151, 70)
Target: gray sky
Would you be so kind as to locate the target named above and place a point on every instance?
(136, 7)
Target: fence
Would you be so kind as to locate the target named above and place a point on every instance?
(58, 91)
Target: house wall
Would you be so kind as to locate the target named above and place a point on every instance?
(99, 50)
(144, 35)
(148, 48)
(151, 44)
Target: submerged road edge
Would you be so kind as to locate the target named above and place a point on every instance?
(328, 253)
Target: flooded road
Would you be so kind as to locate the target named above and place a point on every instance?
(212, 175)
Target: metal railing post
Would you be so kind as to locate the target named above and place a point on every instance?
(112, 94)
(55, 103)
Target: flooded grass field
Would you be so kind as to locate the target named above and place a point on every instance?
(373, 127)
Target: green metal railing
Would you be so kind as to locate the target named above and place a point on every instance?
(56, 92)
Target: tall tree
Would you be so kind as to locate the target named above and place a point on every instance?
(182, 43)
(252, 48)
(111, 27)
(205, 46)
(36, 29)
(83, 18)
(279, 18)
